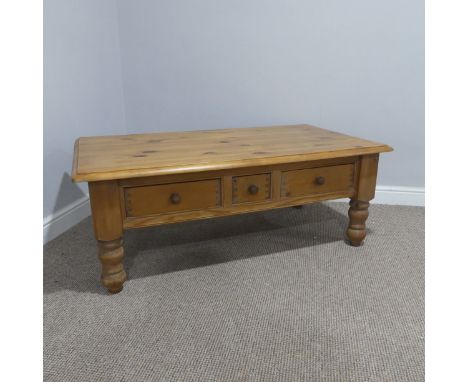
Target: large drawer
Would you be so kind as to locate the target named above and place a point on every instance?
(320, 180)
(173, 197)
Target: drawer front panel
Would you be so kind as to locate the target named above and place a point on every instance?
(174, 197)
(251, 188)
(320, 180)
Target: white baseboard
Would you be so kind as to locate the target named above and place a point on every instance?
(65, 218)
(396, 195)
(404, 196)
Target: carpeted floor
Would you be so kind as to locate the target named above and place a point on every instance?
(274, 296)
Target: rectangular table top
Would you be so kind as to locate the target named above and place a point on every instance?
(137, 155)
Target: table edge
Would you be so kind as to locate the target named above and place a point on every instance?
(227, 165)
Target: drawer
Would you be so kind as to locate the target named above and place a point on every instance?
(320, 180)
(251, 188)
(173, 197)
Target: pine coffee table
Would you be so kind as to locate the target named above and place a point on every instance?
(144, 180)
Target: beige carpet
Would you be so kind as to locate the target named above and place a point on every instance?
(274, 296)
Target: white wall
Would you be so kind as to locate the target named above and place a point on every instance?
(83, 92)
(352, 66)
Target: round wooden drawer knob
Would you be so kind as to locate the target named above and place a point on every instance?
(253, 189)
(175, 198)
(320, 180)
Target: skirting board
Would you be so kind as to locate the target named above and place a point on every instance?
(403, 196)
(395, 195)
(62, 220)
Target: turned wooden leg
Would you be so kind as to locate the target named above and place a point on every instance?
(113, 274)
(358, 213)
(359, 204)
(108, 229)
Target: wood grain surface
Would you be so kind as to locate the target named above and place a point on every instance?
(150, 200)
(251, 188)
(141, 155)
(306, 181)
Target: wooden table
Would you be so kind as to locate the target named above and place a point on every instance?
(144, 180)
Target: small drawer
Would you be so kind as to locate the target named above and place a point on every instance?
(173, 197)
(321, 180)
(251, 188)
